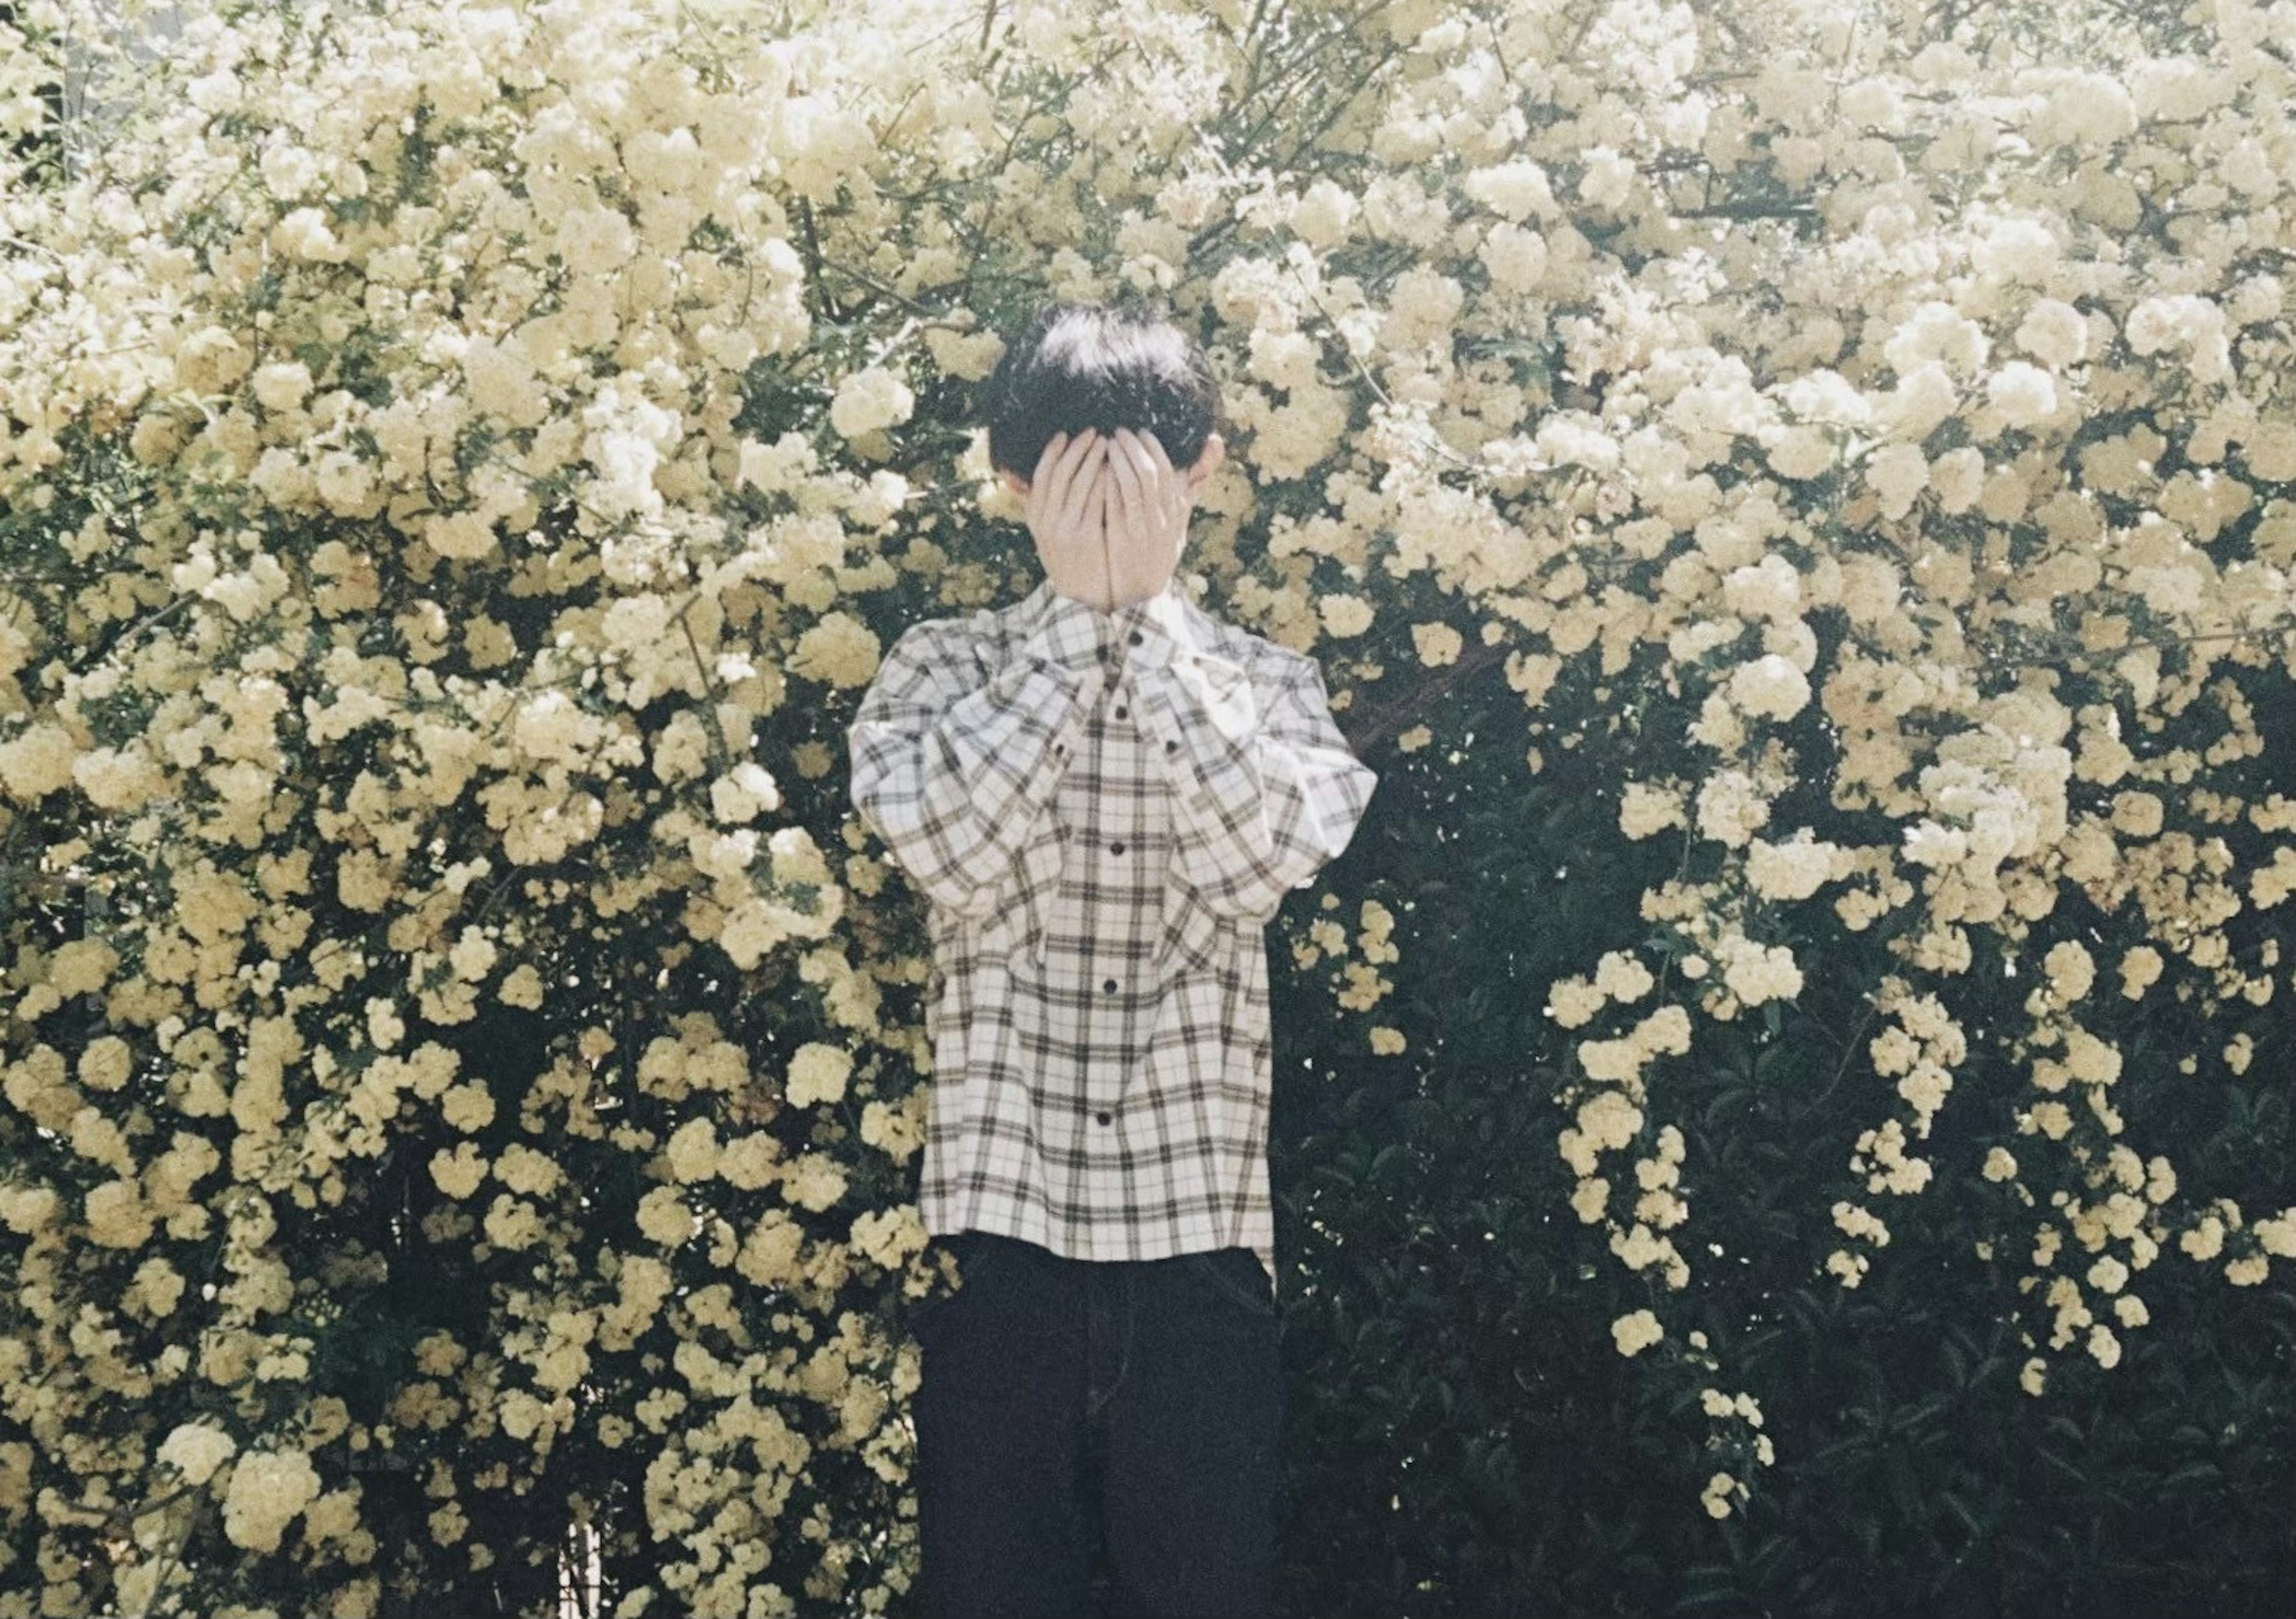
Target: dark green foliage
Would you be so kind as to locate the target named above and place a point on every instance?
(1467, 1441)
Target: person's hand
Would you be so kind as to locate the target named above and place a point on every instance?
(1147, 516)
(1068, 504)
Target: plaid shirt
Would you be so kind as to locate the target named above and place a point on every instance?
(1104, 809)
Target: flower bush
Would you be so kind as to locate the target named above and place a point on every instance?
(460, 465)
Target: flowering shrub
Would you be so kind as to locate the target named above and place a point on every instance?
(460, 465)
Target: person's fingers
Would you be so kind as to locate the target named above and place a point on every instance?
(1108, 571)
(1047, 459)
(1167, 489)
(1142, 458)
(1078, 508)
(1058, 451)
(1131, 507)
(1077, 453)
(1114, 547)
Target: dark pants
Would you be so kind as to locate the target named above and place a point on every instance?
(1108, 1423)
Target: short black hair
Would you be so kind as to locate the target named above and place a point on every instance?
(1077, 365)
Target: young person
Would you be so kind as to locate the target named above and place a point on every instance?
(1104, 793)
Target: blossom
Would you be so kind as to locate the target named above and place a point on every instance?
(457, 1172)
(1769, 685)
(1767, 589)
(2140, 968)
(196, 1449)
(1514, 190)
(1731, 808)
(815, 1182)
(268, 1488)
(840, 650)
(817, 1073)
(1622, 976)
(2071, 969)
(36, 761)
(1636, 1331)
(1609, 1120)
(1644, 809)
(868, 400)
(1793, 870)
(1344, 615)
(1756, 972)
(1438, 643)
(527, 1170)
(1573, 1002)
(692, 1151)
(1323, 213)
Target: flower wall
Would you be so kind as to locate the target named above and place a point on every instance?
(459, 466)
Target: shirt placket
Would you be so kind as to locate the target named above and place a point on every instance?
(1110, 839)
(1126, 978)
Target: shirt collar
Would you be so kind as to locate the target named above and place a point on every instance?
(1172, 628)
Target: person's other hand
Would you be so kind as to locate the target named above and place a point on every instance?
(1067, 504)
(1147, 516)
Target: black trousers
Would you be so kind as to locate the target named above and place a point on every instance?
(1107, 1426)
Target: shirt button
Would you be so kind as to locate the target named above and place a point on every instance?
(1109, 984)
(1171, 747)
(1116, 848)
(1103, 1117)
(1121, 711)
(1135, 638)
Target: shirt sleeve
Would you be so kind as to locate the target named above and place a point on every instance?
(953, 767)
(1265, 788)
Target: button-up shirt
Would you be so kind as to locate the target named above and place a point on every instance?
(1103, 811)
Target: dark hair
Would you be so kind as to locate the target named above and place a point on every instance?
(1073, 366)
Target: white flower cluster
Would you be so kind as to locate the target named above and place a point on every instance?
(1730, 809)
(1920, 1048)
(1793, 870)
(1754, 972)
(1636, 1331)
(1848, 1265)
(197, 1450)
(513, 603)
(268, 1489)
(817, 1073)
(1646, 808)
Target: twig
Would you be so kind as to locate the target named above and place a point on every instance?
(2126, 647)
(1385, 722)
(1849, 1051)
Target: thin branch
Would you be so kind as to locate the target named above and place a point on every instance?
(1386, 722)
(1849, 1052)
(2126, 647)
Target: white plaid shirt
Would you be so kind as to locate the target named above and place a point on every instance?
(1104, 809)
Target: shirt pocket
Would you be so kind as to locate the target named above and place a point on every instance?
(1193, 937)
